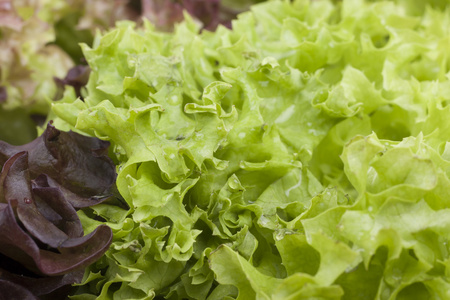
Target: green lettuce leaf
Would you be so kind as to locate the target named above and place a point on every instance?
(302, 154)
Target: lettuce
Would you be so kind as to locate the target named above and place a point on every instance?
(42, 244)
(28, 62)
(302, 154)
(163, 14)
(39, 44)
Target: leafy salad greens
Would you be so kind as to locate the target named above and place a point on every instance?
(302, 154)
(39, 45)
(43, 249)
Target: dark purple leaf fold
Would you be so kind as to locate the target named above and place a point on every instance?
(42, 244)
(76, 162)
(77, 77)
(11, 290)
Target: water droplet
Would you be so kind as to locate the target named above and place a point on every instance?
(350, 269)
(396, 274)
(286, 115)
(313, 132)
(298, 184)
(263, 221)
(173, 100)
(264, 83)
(279, 236)
(27, 200)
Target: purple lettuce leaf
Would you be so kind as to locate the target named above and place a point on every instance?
(25, 228)
(207, 11)
(77, 77)
(11, 290)
(54, 287)
(43, 249)
(164, 14)
(77, 163)
(3, 94)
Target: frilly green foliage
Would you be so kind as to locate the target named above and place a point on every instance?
(304, 154)
(28, 60)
